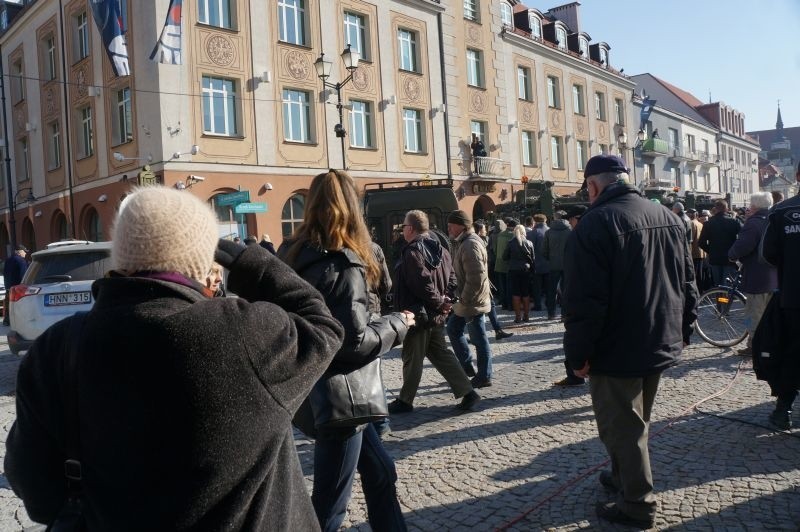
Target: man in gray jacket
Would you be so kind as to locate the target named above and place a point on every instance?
(472, 296)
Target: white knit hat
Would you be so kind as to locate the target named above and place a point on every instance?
(165, 230)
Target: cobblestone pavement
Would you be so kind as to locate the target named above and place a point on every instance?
(528, 458)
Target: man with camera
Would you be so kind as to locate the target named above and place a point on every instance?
(424, 281)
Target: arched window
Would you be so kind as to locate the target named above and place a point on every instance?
(536, 25)
(58, 228)
(292, 214)
(505, 14)
(28, 235)
(91, 228)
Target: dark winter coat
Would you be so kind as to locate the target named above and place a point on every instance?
(424, 276)
(758, 277)
(781, 248)
(536, 237)
(629, 296)
(185, 403)
(520, 256)
(341, 279)
(13, 270)
(718, 235)
(555, 242)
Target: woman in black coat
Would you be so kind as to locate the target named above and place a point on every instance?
(332, 251)
(519, 254)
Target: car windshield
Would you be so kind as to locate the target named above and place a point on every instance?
(86, 266)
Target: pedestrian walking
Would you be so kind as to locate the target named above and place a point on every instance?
(472, 299)
(629, 306)
(499, 333)
(13, 271)
(168, 416)
(519, 254)
(424, 283)
(718, 235)
(501, 262)
(332, 250)
(776, 349)
(759, 278)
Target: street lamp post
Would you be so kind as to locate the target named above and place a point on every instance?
(12, 219)
(350, 59)
(623, 142)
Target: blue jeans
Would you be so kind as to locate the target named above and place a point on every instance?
(493, 317)
(720, 271)
(456, 327)
(335, 464)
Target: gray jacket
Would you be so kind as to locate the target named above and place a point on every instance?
(555, 240)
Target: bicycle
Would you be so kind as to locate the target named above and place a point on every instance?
(721, 318)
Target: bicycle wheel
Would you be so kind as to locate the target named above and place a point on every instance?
(721, 319)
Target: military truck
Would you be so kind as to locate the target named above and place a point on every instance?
(386, 205)
(538, 197)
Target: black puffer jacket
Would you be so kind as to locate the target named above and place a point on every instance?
(718, 235)
(340, 277)
(185, 403)
(781, 248)
(629, 296)
(519, 255)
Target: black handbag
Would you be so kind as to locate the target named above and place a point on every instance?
(344, 400)
(70, 518)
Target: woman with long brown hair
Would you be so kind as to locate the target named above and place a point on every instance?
(331, 250)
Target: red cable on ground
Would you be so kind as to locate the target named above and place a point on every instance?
(561, 489)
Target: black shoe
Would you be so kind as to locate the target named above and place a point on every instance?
(400, 407)
(469, 370)
(480, 383)
(570, 381)
(551, 316)
(781, 419)
(611, 512)
(607, 480)
(499, 335)
(469, 401)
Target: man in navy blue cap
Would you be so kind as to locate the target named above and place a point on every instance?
(629, 306)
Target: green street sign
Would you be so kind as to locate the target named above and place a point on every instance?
(233, 198)
(245, 208)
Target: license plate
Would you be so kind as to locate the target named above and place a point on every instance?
(67, 298)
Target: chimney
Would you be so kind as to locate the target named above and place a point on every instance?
(569, 14)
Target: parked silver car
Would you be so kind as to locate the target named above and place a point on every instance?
(57, 285)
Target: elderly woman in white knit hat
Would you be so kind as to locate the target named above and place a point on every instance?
(170, 409)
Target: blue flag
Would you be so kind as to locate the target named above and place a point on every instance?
(109, 24)
(168, 47)
(647, 108)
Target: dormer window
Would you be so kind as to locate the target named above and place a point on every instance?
(603, 57)
(584, 47)
(3, 19)
(561, 37)
(505, 14)
(536, 26)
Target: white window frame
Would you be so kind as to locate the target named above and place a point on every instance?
(87, 132)
(292, 15)
(619, 112)
(413, 137)
(582, 153)
(529, 148)
(600, 106)
(361, 129)
(536, 25)
(557, 152)
(553, 92)
(81, 36)
(228, 97)
(355, 33)
(55, 145)
(479, 129)
(583, 46)
(293, 219)
(603, 57)
(506, 14)
(407, 50)
(474, 67)
(561, 37)
(471, 10)
(50, 57)
(578, 105)
(297, 111)
(524, 83)
(216, 13)
(123, 117)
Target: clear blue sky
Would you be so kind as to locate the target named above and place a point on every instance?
(746, 52)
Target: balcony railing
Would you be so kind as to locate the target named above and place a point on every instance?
(483, 167)
(655, 147)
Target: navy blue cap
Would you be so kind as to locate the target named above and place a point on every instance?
(604, 163)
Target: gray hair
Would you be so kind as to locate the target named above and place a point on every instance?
(761, 200)
(418, 221)
(611, 177)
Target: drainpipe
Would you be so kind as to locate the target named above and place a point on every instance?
(68, 158)
(444, 95)
(12, 221)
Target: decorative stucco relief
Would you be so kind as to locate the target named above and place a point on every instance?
(297, 65)
(477, 101)
(220, 50)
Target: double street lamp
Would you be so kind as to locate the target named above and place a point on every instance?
(350, 59)
(622, 138)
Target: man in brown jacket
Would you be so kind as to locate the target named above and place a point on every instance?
(472, 299)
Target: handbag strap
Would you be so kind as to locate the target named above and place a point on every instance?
(72, 464)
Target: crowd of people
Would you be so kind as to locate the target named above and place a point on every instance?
(170, 381)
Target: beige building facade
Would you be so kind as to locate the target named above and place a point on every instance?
(246, 112)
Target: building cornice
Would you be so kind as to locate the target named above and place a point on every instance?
(432, 6)
(561, 57)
